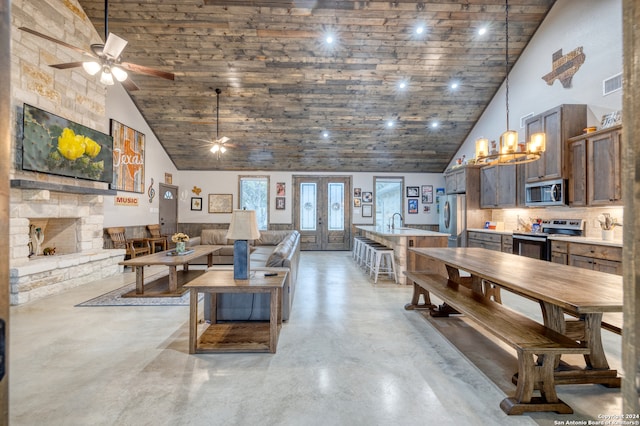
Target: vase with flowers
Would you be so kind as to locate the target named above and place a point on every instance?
(607, 224)
(180, 239)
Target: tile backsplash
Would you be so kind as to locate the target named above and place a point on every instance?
(590, 215)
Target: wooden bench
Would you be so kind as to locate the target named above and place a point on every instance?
(528, 337)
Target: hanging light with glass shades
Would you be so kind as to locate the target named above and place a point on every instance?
(509, 151)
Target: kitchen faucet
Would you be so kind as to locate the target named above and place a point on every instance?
(393, 222)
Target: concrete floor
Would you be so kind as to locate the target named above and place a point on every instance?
(349, 355)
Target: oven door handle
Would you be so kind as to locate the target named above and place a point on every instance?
(529, 238)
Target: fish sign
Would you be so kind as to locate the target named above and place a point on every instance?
(565, 66)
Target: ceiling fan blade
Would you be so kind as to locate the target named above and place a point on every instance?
(67, 65)
(114, 46)
(129, 85)
(146, 70)
(60, 42)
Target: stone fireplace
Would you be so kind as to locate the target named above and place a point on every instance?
(72, 223)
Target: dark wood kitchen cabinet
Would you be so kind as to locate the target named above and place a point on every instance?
(596, 257)
(595, 177)
(559, 252)
(559, 124)
(578, 173)
(462, 179)
(498, 186)
(487, 240)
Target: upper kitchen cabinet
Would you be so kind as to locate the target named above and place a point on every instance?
(498, 186)
(559, 124)
(595, 168)
(456, 181)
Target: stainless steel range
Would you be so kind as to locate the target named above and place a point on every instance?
(537, 244)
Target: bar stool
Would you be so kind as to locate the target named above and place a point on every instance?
(361, 253)
(357, 243)
(383, 262)
(370, 255)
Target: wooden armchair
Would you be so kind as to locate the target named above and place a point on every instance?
(134, 247)
(156, 239)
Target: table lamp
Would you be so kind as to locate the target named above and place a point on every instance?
(244, 226)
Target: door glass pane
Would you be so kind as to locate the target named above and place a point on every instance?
(388, 198)
(254, 196)
(308, 206)
(336, 206)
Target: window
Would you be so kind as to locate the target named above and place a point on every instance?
(388, 199)
(254, 195)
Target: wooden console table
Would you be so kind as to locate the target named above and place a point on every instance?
(246, 336)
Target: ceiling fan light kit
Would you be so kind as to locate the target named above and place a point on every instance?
(106, 58)
(510, 151)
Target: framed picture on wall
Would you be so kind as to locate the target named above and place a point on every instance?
(412, 205)
(413, 191)
(196, 203)
(128, 158)
(367, 197)
(280, 203)
(220, 203)
(357, 202)
(367, 210)
(427, 194)
(357, 192)
(281, 189)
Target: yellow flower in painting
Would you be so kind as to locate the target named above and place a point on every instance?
(91, 147)
(70, 145)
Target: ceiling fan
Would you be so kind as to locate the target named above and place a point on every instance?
(218, 146)
(106, 58)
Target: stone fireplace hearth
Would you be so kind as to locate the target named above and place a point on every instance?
(70, 222)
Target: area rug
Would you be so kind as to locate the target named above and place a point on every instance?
(114, 298)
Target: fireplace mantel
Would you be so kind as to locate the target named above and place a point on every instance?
(70, 189)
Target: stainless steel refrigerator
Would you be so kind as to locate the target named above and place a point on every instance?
(459, 213)
(453, 219)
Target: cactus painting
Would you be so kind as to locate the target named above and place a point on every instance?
(55, 145)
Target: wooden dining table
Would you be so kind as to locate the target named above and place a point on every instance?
(573, 300)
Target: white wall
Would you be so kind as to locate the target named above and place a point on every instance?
(596, 25)
(120, 107)
(227, 183)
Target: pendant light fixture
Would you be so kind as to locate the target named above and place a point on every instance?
(218, 145)
(509, 151)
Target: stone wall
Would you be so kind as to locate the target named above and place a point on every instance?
(74, 95)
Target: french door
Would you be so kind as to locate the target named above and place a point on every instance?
(322, 212)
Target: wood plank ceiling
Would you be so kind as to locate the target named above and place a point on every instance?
(283, 87)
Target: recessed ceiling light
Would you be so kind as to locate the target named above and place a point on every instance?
(402, 85)
(419, 29)
(435, 124)
(390, 123)
(454, 85)
(482, 30)
(329, 39)
(325, 135)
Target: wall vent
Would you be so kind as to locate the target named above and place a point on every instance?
(612, 84)
(524, 118)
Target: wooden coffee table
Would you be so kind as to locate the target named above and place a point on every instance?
(171, 285)
(245, 336)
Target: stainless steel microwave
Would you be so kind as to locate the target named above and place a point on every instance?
(547, 193)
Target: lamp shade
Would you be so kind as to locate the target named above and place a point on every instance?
(244, 225)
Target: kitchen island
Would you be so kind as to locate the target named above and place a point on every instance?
(401, 240)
